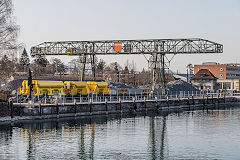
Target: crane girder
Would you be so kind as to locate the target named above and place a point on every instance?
(147, 46)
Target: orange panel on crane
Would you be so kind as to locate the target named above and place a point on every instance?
(117, 46)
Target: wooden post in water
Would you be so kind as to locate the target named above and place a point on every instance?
(57, 109)
(188, 103)
(156, 100)
(203, 102)
(134, 104)
(193, 100)
(168, 103)
(120, 104)
(11, 107)
(39, 108)
(75, 106)
(106, 105)
(207, 99)
(45, 98)
(145, 105)
(90, 106)
(110, 97)
(178, 100)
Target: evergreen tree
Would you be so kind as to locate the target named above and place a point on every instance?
(42, 61)
(126, 69)
(101, 65)
(24, 60)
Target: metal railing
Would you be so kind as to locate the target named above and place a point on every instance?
(95, 98)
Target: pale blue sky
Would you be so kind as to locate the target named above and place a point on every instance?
(59, 20)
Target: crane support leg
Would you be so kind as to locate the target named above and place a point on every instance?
(154, 71)
(163, 78)
(93, 66)
(158, 67)
(83, 61)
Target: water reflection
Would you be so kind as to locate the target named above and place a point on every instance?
(154, 136)
(81, 152)
(158, 137)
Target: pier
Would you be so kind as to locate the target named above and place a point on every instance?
(62, 106)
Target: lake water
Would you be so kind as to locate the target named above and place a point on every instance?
(212, 134)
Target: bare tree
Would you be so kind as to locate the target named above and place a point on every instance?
(59, 66)
(116, 68)
(8, 28)
(75, 67)
(7, 68)
(133, 67)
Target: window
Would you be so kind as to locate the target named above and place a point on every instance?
(221, 69)
(207, 87)
(226, 85)
(203, 75)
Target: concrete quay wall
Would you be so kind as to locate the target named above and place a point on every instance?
(47, 111)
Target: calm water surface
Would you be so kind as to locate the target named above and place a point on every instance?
(213, 134)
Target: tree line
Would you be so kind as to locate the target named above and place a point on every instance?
(10, 66)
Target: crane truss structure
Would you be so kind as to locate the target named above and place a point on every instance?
(148, 46)
(154, 47)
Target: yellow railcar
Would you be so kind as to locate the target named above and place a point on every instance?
(48, 87)
(97, 87)
(42, 87)
(23, 90)
(67, 88)
(75, 87)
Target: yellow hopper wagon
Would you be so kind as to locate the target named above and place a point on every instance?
(48, 87)
(97, 87)
(42, 88)
(75, 87)
(25, 89)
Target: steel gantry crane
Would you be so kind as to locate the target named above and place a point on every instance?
(157, 48)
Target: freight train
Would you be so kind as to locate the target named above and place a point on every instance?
(50, 88)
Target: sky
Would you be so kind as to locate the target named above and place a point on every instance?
(61, 20)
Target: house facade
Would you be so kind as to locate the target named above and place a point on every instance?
(205, 80)
(228, 75)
